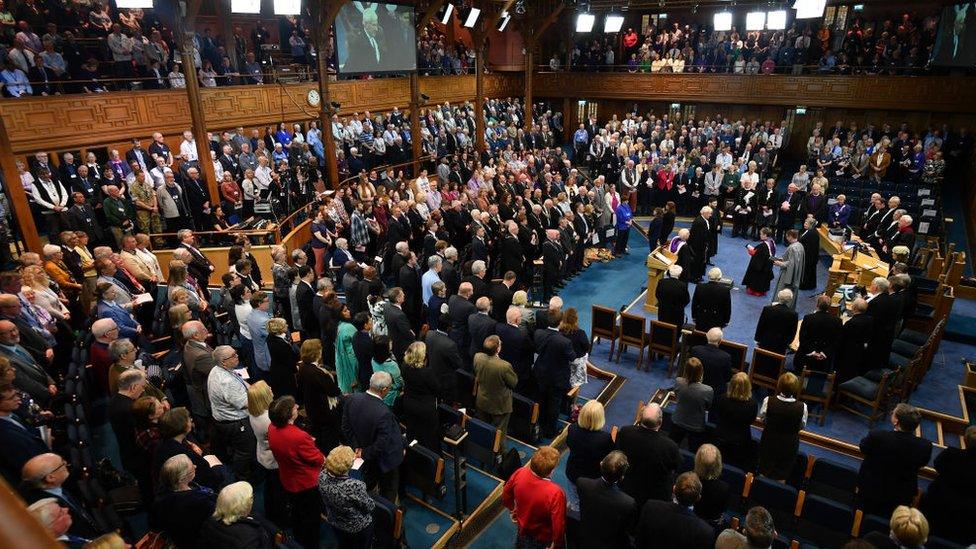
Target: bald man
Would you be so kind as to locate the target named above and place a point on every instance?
(44, 477)
(480, 325)
(30, 376)
(654, 454)
(553, 256)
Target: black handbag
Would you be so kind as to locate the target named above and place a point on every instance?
(511, 462)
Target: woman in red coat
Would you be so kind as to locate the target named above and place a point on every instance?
(299, 464)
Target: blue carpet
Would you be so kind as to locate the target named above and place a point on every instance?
(423, 526)
(952, 206)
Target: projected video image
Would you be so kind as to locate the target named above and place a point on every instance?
(374, 37)
(957, 36)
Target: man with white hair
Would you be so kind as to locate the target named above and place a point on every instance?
(655, 455)
(791, 266)
(698, 241)
(672, 297)
(885, 309)
(370, 427)
(197, 362)
(511, 253)
(899, 234)
(479, 286)
(553, 257)
(56, 520)
(777, 324)
(716, 363)
(712, 304)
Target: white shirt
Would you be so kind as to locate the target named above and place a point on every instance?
(260, 424)
(188, 150)
(262, 177)
(57, 194)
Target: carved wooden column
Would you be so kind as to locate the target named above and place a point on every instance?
(529, 69)
(415, 138)
(324, 15)
(15, 190)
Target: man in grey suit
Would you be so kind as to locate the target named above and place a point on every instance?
(197, 363)
(29, 376)
(791, 266)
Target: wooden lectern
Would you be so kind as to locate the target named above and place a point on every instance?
(658, 262)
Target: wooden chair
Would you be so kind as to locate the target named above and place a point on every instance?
(604, 325)
(737, 352)
(632, 334)
(817, 388)
(867, 393)
(766, 368)
(663, 339)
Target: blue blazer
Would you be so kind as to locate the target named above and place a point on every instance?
(127, 324)
(555, 353)
(257, 322)
(19, 445)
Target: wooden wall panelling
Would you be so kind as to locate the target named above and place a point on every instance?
(924, 93)
(74, 121)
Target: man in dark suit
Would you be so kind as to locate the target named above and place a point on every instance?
(197, 197)
(443, 357)
(479, 288)
(674, 523)
(516, 348)
(397, 323)
(717, 364)
(304, 296)
(889, 473)
(655, 454)
(29, 376)
(370, 427)
(855, 343)
(459, 309)
(777, 324)
(672, 297)
(20, 441)
(44, 477)
(698, 239)
(511, 255)
(554, 355)
(820, 335)
(408, 278)
(711, 307)
(199, 266)
(607, 513)
(950, 501)
(480, 325)
(885, 310)
(553, 256)
(500, 294)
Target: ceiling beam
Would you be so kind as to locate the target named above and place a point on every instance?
(494, 18)
(548, 21)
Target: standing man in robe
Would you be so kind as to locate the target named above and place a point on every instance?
(810, 240)
(791, 266)
(698, 240)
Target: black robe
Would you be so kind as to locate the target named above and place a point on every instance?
(698, 241)
(810, 240)
(759, 273)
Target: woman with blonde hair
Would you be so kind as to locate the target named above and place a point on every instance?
(733, 414)
(588, 443)
(232, 524)
(44, 297)
(520, 300)
(259, 398)
(321, 395)
(783, 416)
(715, 491)
(421, 388)
(909, 530)
(348, 506)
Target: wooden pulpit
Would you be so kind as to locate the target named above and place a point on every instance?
(658, 262)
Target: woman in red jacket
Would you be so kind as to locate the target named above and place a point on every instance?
(299, 463)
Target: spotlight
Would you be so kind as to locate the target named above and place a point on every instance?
(472, 18)
(245, 6)
(776, 20)
(694, 9)
(755, 20)
(287, 7)
(448, 12)
(506, 18)
(722, 21)
(613, 22)
(584, 22)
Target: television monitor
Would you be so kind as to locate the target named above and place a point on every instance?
(956, 43)
(375, 37)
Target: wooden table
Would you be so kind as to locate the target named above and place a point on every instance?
(861, 270)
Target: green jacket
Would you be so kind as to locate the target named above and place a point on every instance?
(118, 211)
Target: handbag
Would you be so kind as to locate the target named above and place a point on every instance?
(511, 462)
